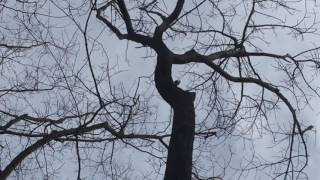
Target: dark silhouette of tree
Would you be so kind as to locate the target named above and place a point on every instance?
(60, 89)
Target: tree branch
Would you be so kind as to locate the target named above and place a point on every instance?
(167, 22)
(125, 16)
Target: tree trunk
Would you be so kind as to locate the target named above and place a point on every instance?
(179, 159)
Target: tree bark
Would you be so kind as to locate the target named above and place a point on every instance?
(179, 159)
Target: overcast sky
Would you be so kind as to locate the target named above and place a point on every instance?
(131, 61)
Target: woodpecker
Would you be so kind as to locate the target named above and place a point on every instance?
(176, 82)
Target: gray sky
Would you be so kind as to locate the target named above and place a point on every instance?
(131, 62)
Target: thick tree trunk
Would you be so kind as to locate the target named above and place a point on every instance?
(179, 159)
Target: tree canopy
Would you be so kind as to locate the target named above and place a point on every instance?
(157, 89)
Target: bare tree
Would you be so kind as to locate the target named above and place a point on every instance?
(61, 93)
